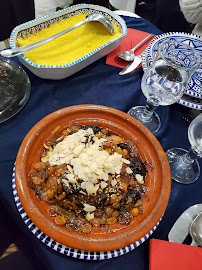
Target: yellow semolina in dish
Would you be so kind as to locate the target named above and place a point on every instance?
(70, 46)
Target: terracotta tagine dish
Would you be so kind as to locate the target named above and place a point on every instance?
(114, 220)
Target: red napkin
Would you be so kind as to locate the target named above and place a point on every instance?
(164, 255)
(132, 38)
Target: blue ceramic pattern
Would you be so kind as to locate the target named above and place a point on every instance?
(194, 88)
(75, 253)
(45, 24)
(191, 102)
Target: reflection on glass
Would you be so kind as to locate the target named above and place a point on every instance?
(165, 81)
(183, 164)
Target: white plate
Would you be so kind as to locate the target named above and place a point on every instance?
(180, 229)
(126, 13)
(75, 253)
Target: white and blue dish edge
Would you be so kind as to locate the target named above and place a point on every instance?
(75, 253)
(58, 72)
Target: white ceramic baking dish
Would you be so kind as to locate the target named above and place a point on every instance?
(57, 72)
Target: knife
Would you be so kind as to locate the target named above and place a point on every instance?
(131, 66)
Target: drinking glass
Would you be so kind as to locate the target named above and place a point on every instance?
(165, 81)
(183, 164)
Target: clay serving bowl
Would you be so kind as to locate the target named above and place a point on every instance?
(158, 179)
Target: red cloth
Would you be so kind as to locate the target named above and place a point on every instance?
(132, 38)
(164, 255)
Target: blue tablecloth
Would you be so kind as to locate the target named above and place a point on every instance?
(96, 84)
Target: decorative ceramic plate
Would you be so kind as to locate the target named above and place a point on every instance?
(157, 181)
(191, 102)
(195, 85)
(75, 253)
(58, 72)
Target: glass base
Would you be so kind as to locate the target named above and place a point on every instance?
(152, 122)
(182, 172)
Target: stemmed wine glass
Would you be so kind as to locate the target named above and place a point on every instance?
(183, 164)
(165, 81)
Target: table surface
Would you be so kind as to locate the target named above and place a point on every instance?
(96, 84)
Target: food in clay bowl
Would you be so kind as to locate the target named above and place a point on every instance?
(92, 178)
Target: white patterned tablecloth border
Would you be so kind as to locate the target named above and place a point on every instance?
(75, 253)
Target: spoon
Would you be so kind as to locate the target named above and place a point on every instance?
(129, 55)
(91, 17)
(196, 231)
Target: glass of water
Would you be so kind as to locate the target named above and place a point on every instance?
(183, 164)
(166, 80)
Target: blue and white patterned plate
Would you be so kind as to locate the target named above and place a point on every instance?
(75, 253)
(191, 102)
(194, 88)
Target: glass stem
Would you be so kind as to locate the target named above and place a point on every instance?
(148, 111)
(189, 157)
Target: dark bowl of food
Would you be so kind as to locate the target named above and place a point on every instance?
(92, 178)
